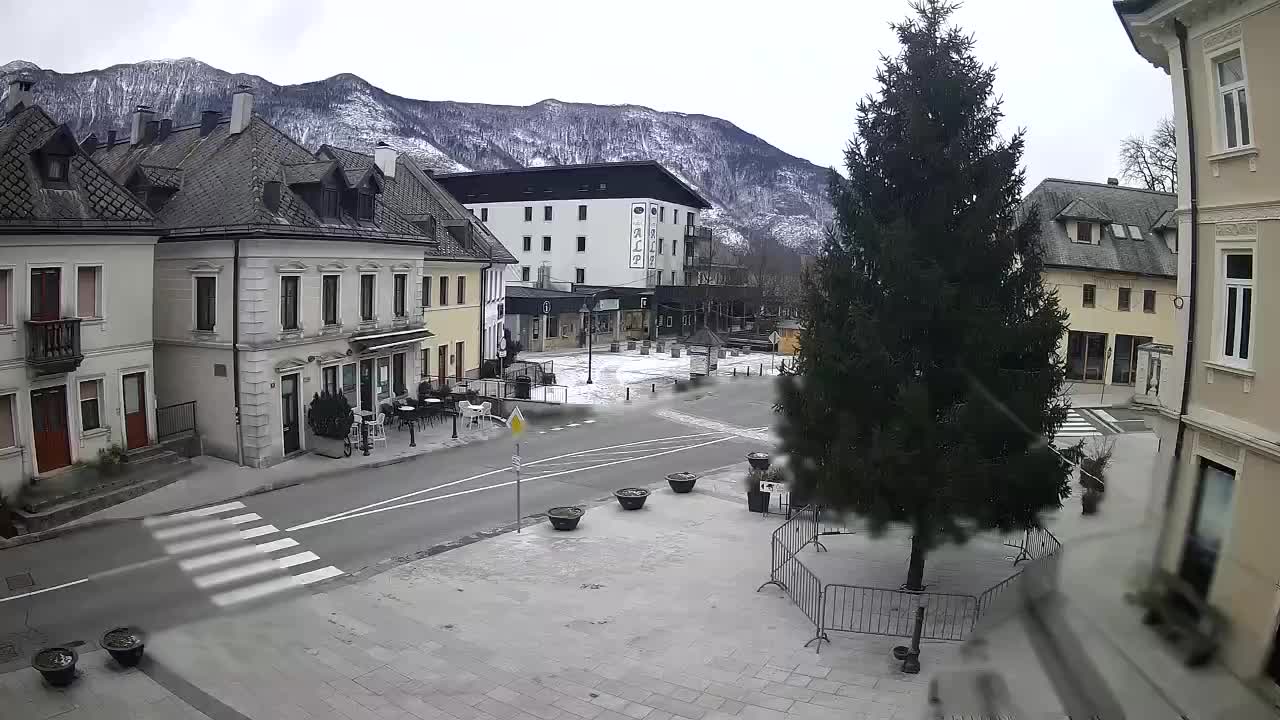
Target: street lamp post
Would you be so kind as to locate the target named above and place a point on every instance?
(591, 318)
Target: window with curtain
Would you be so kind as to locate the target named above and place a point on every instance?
(90, 408)
(1209, 527)
(289, 302)
(1149, 301)
(329, 379)
(206, 303)
(1122, 299)
(366, 297)
(88, 292)
(1089, 295)
(399, 382)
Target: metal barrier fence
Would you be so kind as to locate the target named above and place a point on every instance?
(175, 419)
(878, 611)
(882, 611)
(510, 390)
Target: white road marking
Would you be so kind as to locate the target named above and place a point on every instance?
(195, 528)
(277, 545)
(353, 515)
(201, 562)
(190, 514)
(258, 531)
(574, 424)
(1106, 416)
(240, 572)
(710, 424)
(323, 573)
(587, 422)
(44, 590)
(242, 519)
(299, 559)
(252, 592)
(204, 543)
(556, 428)
(398, 498)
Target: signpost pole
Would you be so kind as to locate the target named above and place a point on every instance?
(517, 466)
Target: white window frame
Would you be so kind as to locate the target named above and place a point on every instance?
(1118, 230)
(580, 246)
(405, 314)
(336, 366)
(280, 298)
(1233, 358)
(337, 302)
(360, 298)
(195, 301)
(100, 300)
(1218, 92)
(15, 413)
(11, 323)
(103, 425)
(1135, 232)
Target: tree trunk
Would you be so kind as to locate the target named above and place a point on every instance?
(915, 571)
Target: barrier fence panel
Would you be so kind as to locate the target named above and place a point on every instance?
(175, 419)
(788, 573)
(878, 611)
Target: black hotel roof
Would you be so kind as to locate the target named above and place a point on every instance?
(638, 179)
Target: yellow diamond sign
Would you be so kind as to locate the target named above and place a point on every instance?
(516, 422)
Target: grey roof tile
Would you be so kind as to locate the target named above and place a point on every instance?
(1121, 205)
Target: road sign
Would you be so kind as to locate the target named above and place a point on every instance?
(516, 422)
(546, 307)
(774, 337)
(772, 487)
(502, 353)
(515, 461)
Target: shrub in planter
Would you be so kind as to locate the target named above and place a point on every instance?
(125, 645)
(110, 460)
(631, 498)
(682, 482)
(329, 417)
(758, 501)
(1093, 476)
(564, 518)
(57, 665)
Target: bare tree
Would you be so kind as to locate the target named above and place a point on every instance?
(1153, 161)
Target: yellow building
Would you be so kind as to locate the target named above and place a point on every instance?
(1110, 253)
(1220, 430)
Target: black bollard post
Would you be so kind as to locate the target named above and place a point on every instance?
(911, 663)
(761, 370)
(748, 371)
(455, 422)
(364, 437)
(412, 443)
(628, 393)
(735, 372)
(653, 387)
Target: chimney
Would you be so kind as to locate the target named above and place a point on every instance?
(166, 126)
(140, 118)
(19, 94)
(241, 109)
(208, 121)
(89, 144)
(151, 130)
(1113, 181)
(544, 276)
(384, 156)
(111, 138)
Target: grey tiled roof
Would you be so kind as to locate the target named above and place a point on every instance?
(521, 291)
(1080, 209)
(91, 199)
(309, 172)
(1120, 205)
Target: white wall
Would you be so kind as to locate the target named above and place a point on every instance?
(607, 229)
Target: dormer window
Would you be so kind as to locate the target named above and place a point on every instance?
(57, 168)
(329, 203)
(364, 206)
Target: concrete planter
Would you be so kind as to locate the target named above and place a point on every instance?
(564, 518)
(326, 446)
(644, 350)
(675, 352)
(631, 498)
(662, 346)
(631, 344)
(57, 665)
(614, 347)
(722, 353)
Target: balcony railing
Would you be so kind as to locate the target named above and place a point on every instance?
(697, 232)
(53, 346)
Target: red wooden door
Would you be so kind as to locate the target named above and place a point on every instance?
(458, 365)
(49, 425)
(442, 359)
(46, 293)
(135, 410)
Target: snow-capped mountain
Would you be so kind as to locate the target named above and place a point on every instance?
(754, 186)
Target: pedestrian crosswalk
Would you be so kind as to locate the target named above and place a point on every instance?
(1076, 426)
(215, 546)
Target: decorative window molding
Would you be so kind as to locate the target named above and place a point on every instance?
(1216, 159)
(330, 357)
(1226, 35)
(1243, 231)
(292, 364)
(293, 266)
(204, 267)
(336, 266)
(402, 268)
(368, 267)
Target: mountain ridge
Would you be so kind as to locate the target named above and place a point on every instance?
(756, 188)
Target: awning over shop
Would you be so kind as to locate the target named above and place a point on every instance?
(381, 340)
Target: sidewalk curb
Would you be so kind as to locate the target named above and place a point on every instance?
(52, 533)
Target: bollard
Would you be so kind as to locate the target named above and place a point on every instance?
(653, 387)
(735, 372)
(455, 422)
(628, 393)
(911, 663)
(412, 443)
(364, 437)
(761, 373)
(748, 371)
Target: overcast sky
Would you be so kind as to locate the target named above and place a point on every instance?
(790, 72)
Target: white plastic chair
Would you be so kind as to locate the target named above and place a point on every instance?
(354, 433)
(470, 414)
(377, 430)
(485, 414)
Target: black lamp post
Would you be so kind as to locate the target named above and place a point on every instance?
(591, 316)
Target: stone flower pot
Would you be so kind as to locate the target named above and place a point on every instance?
(564, 518)
(757, 502)
(125, 645)
(631, 344)
(57, 665)
(758, 460)
(1089, 502)
(614, 347)
(631, 498)
(682, 482)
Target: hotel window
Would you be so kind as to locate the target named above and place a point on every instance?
(400, 284)
(1084, 233)
(1123, 299)
(524, 273)
(484, 214)
(399, 382)
(662, 213)
(289, 302)
(528, 243)
(1148, 301)
(366, 297)
(426, 291)
(579, 275)
(528, 213)
(329, 299)
(462, 289)
(1236, 313)
(90, 407)
(426, 363)
(582, 212)
(8, 431)
(6, 293)
(206, 303)
(1233, 104)
(546, 243)
(546, 213)
(582, 243)
(661, 244)
(89, 292)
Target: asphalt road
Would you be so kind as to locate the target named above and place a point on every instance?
(167, 571)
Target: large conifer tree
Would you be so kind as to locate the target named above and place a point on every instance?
(927, 379)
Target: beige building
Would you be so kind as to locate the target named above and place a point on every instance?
(1220, 429)
(1111, 255)
(76, 253)
(281, 272)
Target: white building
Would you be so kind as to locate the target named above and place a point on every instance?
(76, 258)
(625, 224)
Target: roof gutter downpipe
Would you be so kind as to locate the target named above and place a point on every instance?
(1194, 198)
(235, 348)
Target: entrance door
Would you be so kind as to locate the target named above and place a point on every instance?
(46, 293)
(442, 359)
(49, 425)
(289, 412)
(366, 384)
(458, 363)
(1086, 355)
(1124, 366)
(135, 410)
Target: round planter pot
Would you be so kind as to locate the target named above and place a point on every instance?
(757, 501)
(57, 665)
(564, 518)
(631, 498)
(758, 460)
(682, 482)
(125, 645)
